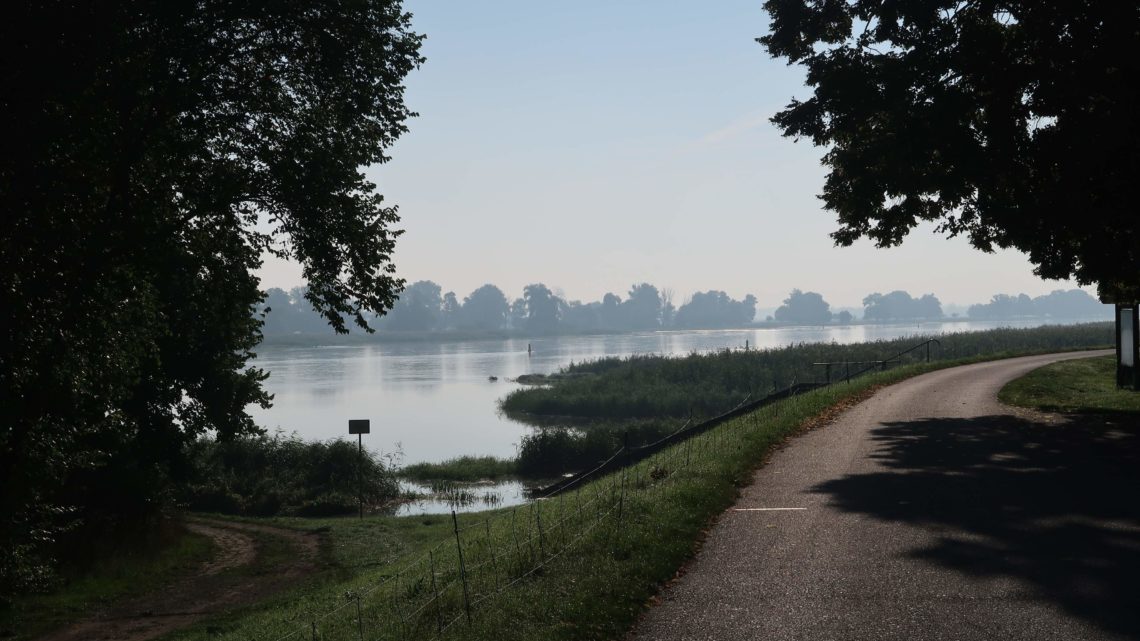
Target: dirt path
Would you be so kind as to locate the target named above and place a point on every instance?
(208, 590)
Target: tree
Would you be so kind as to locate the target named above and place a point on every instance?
(486, 309)
(1074, 303)
(610, 312)
(518, 314)
(668, 311)
(1011, 122)
(419, 308)
(1004, 306)
(643, 307)
(844, 317)
(804, 308)
(449, 312)
(161, 149)
(715, 309)
(542, 309)
(899, 305)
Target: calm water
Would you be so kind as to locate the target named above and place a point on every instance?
(433, 401)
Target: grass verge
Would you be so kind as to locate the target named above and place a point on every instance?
(1085, 386)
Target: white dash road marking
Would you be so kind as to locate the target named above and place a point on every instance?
(768, 509)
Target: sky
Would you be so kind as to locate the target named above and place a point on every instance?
(601, 143)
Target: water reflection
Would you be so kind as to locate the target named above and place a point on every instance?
(434, 401)
(460, 497)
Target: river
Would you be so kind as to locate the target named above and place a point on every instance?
(429, 401)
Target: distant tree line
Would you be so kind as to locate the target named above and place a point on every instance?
(423, 306)
(1074, 303)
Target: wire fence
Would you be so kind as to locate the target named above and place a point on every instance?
(444, 590)
(448, 587)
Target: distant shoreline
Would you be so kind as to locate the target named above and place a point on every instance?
(310, 339)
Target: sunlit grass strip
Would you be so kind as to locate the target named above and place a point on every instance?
(1084, 386)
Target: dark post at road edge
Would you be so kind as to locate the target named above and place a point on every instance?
(359, 427)
(1125, 299)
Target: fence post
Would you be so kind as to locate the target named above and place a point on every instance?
(314, 631)
(435, 589)
(359, 620)
(624, 472)
(541, 538)
(462, 567)
(847, 371)
(515, 536)
(491, 548)
(396, 605)
(927, 351)
(561, 519)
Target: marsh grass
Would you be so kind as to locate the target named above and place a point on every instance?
(463, 468)
(585, 414)
(704, 385)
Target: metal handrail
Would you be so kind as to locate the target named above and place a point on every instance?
(627, 455)
(880, 365)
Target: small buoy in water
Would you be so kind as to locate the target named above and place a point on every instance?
(492, 378)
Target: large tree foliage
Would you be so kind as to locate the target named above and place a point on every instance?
(153, 152)
(1012, 122)
(806, 308)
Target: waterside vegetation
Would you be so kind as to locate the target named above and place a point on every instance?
(589, 409)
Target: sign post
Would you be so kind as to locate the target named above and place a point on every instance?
(1125, 296)
(1127, 346)
(359, 427)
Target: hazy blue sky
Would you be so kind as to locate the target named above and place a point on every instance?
(593, 144)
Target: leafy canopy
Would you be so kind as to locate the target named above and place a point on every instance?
(154, 152)
(1011, 122)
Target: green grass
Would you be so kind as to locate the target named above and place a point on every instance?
(1085, 386)
(132, 571)
(574, 570)
(463, 469)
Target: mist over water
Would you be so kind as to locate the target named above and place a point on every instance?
(434, 400)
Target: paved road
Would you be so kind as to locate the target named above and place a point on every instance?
(930, 511)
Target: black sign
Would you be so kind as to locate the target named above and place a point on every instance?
(358, 426)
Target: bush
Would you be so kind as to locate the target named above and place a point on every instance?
(271, 475)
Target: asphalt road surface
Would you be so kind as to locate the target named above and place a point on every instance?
(930, 511)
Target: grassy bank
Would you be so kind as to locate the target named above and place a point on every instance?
(1086, 386)
(578, 566)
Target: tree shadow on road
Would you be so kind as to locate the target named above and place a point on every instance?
(1056, 507)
